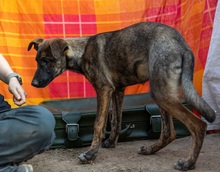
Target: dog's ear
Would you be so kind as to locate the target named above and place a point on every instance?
(35, 42)
(58, 47)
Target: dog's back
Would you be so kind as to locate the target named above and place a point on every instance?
(125, 53)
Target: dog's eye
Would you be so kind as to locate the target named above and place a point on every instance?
(44, 61)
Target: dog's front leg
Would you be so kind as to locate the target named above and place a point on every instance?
(116, 118)
(104, 95)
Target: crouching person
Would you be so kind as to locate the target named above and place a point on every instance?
(24, 131)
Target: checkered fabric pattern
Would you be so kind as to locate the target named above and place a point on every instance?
(22, 21)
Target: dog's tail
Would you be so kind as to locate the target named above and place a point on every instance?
(189, 91)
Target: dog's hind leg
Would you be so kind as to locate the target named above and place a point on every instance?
(116, 118)
(197, 128)
(165, 82)
(104, 95)
(167, 135)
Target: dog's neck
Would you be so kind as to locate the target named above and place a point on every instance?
(75, 52)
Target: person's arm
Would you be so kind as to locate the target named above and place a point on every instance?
(5, 69)
(14, 87)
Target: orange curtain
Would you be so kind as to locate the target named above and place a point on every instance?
(22, 21)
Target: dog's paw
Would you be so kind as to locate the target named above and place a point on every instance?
(86, 158)
(184, 165)
(108, 144)
(145, 151)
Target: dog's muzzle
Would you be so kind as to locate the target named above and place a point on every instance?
(40, 83)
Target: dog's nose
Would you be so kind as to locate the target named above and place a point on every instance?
(35, 83)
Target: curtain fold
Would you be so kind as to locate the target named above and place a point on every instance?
(211, 78)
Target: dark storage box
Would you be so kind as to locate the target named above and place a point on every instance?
(75, 119)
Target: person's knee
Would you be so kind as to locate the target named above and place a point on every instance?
(46, 125)
(46, 119)
(45, 115)
(45, 122)
(30, 126)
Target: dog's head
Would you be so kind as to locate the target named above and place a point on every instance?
(51, 60)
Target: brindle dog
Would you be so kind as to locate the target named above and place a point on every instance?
(111, 61)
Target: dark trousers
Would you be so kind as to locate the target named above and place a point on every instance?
(25, 132)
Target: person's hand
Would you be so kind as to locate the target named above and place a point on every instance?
(19, 95)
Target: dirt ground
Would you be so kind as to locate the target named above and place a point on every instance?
(124, 158)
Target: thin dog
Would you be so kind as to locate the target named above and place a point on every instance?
(110, 61)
